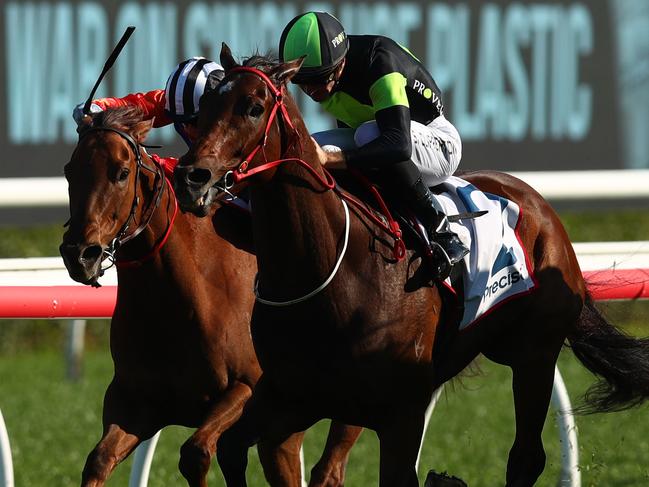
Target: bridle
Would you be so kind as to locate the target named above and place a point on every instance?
(243, 171)
(160, 182)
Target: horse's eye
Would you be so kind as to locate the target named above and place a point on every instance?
(123, 174)
(256, 110)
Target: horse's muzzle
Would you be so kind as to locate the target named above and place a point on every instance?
(82, 261)
(193, 186)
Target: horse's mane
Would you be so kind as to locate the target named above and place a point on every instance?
(124, 118)
(260, 61)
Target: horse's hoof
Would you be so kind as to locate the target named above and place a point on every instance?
(435, 479)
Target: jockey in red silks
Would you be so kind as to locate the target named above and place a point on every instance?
(177, 103)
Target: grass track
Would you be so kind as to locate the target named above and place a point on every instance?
(53, 424)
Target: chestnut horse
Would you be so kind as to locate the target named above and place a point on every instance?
(370, 347)
(180, 336)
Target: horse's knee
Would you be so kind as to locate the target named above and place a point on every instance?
(525, 465)
(328, 475)
(281, 461)
(194, 461)
(98, 467)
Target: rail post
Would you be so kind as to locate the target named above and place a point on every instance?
(570, 474)
(143, 457)
(6, 467)
(76, 330)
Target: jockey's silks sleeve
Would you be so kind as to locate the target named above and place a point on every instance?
(167, 163)
(152, 104)
(383, 81)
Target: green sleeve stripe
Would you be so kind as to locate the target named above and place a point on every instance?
(347, 109)
(388, 91)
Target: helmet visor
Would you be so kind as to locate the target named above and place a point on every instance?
(319, 76)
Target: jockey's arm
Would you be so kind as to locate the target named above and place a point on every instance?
(392, 114)
(394, 143)
(152, 104)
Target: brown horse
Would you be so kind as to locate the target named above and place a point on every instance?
(370, 347)
(180, 336)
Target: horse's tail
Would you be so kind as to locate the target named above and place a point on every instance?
(620, 360)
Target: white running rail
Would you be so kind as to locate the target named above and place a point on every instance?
(50, 271)
(559, 185)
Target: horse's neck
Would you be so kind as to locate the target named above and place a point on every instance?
(297, 227)
(207, 245)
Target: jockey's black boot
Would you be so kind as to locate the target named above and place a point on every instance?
(438, 228)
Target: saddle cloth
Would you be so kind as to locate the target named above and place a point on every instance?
(497, 268)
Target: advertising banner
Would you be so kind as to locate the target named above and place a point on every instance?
(530, 85)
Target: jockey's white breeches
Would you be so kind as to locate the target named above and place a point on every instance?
(436, 147)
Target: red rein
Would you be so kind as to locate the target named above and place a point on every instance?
(242, 172)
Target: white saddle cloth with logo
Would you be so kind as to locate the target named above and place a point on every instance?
(497, 267)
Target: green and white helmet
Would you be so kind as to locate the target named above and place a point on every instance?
(321, 38)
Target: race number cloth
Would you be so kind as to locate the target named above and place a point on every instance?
(497, 268)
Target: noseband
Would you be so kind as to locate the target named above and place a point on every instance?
(159, 184)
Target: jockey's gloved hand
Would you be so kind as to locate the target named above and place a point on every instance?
(77, 113)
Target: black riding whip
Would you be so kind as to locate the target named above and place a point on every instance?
(109, 64)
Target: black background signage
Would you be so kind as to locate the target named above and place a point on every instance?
(531, 85)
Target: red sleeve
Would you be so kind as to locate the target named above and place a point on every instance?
(152, 103)
(167, 163)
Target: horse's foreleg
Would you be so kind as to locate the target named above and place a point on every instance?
(532, 387)
(399, 443)
(269, 421)
(330, 469)
(126, 424)
(281, 461)
(197, 452)
(115, 445)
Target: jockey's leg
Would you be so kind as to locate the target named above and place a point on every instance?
(435, 156)
(437, 224)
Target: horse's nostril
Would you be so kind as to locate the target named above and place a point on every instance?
(91, 253)
(199, 176)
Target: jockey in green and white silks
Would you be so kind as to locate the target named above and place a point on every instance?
(389, 111)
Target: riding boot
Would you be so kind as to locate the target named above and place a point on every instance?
(438, 227)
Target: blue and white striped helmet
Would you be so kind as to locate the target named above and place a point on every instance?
(186, 85)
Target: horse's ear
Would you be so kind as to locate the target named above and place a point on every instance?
(84, 124)
(283, 72)
(141, 130)
(227, 59)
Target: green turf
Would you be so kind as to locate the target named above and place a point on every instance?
(41, 241)
(602, 226)
(53, 424)
(582, 226)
